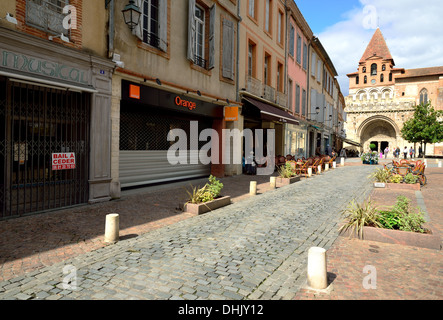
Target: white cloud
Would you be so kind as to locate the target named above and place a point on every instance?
(413, 31)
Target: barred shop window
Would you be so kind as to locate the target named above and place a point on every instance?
(47, 15)
(199, 34)
(153, 26)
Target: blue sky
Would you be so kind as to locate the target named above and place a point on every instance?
(412, 30)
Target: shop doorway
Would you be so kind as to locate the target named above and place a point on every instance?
(38, 122)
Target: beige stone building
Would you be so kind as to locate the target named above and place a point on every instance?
(381, 98)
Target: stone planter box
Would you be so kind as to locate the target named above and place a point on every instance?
(287, 181)
(200, 208)
(422, 240)
(403, 186)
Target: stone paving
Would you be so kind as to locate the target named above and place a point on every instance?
(253, 249)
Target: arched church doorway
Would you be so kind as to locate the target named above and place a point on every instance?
(381, 132)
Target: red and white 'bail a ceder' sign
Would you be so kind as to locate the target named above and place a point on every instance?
(63, 161)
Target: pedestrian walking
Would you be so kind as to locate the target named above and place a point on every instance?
(386, 152)
(420, 152)
(411, 152)
(398, 152)
(405, 153)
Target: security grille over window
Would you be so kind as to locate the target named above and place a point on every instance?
(47, 15)
(141, 130)
(38, 122)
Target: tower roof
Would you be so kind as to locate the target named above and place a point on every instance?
(377, 47)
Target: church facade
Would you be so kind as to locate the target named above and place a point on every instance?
(382, 98)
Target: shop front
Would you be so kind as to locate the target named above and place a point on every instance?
(296, 140)
(261, 115)
(164, 136)
(49, 98)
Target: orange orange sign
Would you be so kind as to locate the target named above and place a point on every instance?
(134, 91)
(184, 103)
(231, 113)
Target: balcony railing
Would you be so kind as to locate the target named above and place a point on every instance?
(282, 99)
(253, 85)
(268, 93)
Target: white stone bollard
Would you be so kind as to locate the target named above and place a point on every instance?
(436, 160)
(309, 172)
(426, 163)
(439, 164)
(334, 165)
(326, 166)
(253, 188)
(112, 228)
(342, 162)
(319, 169)
(317, 273)
(273, 182)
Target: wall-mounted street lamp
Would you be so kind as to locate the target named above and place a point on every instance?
(131, 14)
(317, 110)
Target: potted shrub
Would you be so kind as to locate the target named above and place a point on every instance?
(398, 224)
(206, 198)
(380, 177)
(287, 175)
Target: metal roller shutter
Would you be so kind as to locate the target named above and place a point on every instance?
(144, 147)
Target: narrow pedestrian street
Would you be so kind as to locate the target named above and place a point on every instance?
(255, 248)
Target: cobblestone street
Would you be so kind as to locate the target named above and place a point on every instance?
(253, 249)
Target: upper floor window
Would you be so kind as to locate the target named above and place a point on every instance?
(374, 69)
(201, 40)
(364, 69)
(357, 80)
(251, 10)
(424, 96)
(383, 67)
(390, 76)
(47, 15)
(305, 56)
(298, 48)
(268, 15)
(292, 40)
(382, 78)
(153, 26)
(251, 59)
(366, 79)
(280, 27)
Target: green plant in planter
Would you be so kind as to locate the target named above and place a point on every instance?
(396, 178)
(411, 179)
(381, 175)
(286, 171)
(402, 217)
(372, 146)
(208, 192)
(358, 216)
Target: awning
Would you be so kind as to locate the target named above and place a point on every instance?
(352, 142)
(272, 113)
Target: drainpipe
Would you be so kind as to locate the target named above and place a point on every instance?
(110, 5)
(238, 51)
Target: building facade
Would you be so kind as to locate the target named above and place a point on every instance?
(176, 70)
(55, 97)
(382, 98)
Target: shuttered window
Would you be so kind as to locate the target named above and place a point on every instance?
(297, 99)
(153, 26)
(197, 35)
(291, 41)
(228, 49)
(305, 56)
(298, 48)
(303, 103)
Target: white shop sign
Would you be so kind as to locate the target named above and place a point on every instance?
(63, 161)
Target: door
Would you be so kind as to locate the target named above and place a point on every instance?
(40, 122)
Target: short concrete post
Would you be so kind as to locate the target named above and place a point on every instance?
(342, 162)
(273, 182)
(319, 169)
(439, 164)
(309, 172)
(317, 273)
(436, 160)
(334, 165)
(253, 188)
(426, 163)
(112, 228)
(326, 166)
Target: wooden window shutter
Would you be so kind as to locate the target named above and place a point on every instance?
(212, 18)
(291, 41)
(191, 29)
(228, 49)
(138, 30)
(163, 25)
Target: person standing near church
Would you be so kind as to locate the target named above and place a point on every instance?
(405, 153)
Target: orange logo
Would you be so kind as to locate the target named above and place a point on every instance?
(184, 103)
